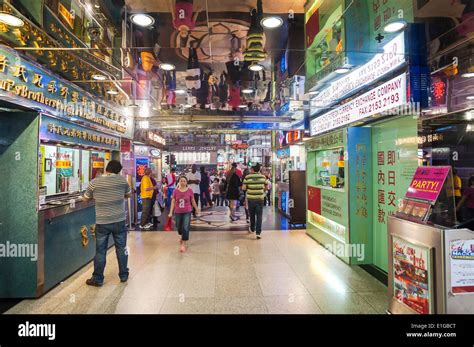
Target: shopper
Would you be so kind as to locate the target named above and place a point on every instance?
(268, 201)
(256, 187)
(109, 192)
(183, 19)
(243, 201)
(223, 192)
(171, 185)
(155, 213)
(146, 193)
(204, 186)
(233, 186)
(182, 205)
(216, 193)
(194, 178)
(468, 199)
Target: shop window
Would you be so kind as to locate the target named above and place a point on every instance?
(330, 168)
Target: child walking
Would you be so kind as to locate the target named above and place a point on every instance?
(182, 205)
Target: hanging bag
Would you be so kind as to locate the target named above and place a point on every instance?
(169, 224)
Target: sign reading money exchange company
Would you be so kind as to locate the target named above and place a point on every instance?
(25, 83)
(381, 99)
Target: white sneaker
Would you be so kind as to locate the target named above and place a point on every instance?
(259, 237)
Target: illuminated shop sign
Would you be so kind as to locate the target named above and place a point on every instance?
(393, 56)
(381, 99)
(289, 137)
(156, 138)
(283, 152)
(56, 130)
(67, 16)
(22, 82)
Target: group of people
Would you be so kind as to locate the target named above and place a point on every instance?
(110, 190)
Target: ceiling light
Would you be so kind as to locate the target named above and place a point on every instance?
(180, 91)
(11, 20)
(469, 128)
(242, 106)
(142, 19)
(167, 67)
(98, 77)
(256, 67)
(396, 26)
(187, 106)
(314, 92)
(468, 74)
(247, 91)
(272, 22)
(470, 97)
(112, 92)
(342, 70)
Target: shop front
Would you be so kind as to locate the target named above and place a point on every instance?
(54, 139)
(291, 176)
(207, 156)
(357, 174)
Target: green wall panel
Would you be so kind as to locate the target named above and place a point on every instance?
(18, 213)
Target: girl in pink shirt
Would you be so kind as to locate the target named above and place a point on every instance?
(182, 205)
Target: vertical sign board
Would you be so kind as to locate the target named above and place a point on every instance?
(360, 189)
(140, 165)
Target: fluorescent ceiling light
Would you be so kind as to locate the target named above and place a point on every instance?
(314, 92)
(256, 67)
(396, 26)
(187, 106)
(112, 92)
(180, 91)
(468, 74)
(142, 19)
(247, 91)
(11, 20)
(167, 67)
(242, 106)
(98, 77)
(470, 97)
(272, 22)
(144, 124)
(342, 70)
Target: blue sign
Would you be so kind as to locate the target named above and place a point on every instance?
(283, 152)
(57, 130)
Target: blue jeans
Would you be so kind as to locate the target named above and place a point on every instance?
(119, 233)
(168, 197)
(256, 212)
(183, 221)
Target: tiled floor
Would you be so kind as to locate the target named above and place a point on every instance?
(222, 272)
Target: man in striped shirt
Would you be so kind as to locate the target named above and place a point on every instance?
(109, 192)
(255, 184)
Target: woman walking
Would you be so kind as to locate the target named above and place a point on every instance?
(182, 206)
(233, 190)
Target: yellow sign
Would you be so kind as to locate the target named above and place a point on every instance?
(63, 164)
(340, 163)
(333, 180)
(97, 164)
(66, 15)
(107, 155)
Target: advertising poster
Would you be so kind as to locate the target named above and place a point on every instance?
(411, 275)
(140, 165)
(428, 182)
(462, 266)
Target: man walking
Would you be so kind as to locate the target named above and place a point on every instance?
(256, 186)
(194, 178)
(109, 192)
(146, 193)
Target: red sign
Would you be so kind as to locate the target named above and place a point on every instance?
(240, 146)
(125, 145)
(314, 200)
(428, 182)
